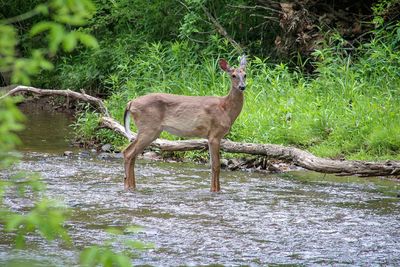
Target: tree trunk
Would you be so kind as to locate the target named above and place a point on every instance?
(293, 155)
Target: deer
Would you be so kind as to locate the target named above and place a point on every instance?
(209, 117)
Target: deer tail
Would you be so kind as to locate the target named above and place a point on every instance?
(127, 122)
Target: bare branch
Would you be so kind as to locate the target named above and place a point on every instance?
(21, 17)
(67, 93)
(257, 7)
(221, 30)
(265, 17)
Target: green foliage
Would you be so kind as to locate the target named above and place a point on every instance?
(243, 20)
(10, 121)
(8, 42)
(57, 36)
(44, 217)
(104, 255)
(63, 15)
(125, 28)
(379, 10)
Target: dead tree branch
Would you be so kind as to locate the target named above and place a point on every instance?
(221, 30)
(288, 154)
(66, 93)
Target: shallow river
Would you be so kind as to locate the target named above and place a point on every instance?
(300, 218)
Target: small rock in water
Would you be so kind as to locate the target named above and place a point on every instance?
(104, 156)
(233, 164)
(84, 154)
(106, 148)
(151, 155)
(118, 155)
(68, 153)
(224, 163)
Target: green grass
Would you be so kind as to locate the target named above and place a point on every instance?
(348, 108)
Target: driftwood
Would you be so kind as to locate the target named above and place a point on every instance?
(66, 93)
(294, 155)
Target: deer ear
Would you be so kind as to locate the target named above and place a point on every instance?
(224, 65)
(243, 62)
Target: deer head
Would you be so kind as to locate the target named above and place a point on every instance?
(238, 75)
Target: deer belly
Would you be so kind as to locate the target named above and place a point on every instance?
(190, 128)
(184, 132)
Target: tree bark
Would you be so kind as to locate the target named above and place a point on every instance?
(293, 155)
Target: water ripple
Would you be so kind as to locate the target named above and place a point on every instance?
(258, 219)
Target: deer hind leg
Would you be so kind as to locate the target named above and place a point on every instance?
(214, 147)
(132, 151)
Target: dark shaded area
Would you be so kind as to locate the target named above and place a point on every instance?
(305, 23)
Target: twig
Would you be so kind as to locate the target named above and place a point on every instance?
(221, 30)
(257, 7)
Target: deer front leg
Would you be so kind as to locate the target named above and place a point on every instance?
(214, 146)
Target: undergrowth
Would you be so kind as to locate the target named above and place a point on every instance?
(349, 108)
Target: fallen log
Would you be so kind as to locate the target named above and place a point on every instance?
(293, 155)
(289, 154)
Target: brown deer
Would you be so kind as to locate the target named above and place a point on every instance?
(208, 117)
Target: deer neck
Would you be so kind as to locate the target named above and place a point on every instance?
(234, 103)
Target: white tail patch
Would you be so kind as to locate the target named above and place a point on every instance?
(127, 124)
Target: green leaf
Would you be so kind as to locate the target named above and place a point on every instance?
(88, 40)
(56, 36)
(139, 245)
(42, 9)
(123, 260)
(69, 42)
(89, 256)
(14, 222)
(20, 241)
(114, 231)
(134, 229)
(41, 27)
(46, 65)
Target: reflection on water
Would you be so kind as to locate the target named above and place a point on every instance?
(300, 218)
(45, 131)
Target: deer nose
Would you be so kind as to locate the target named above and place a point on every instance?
(242, 87)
